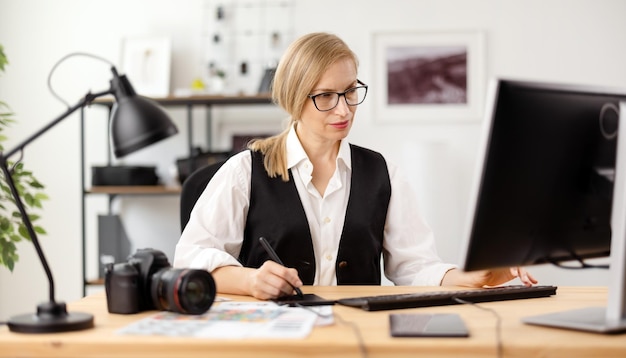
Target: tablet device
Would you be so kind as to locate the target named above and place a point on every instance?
(308, 299)
(427, 325)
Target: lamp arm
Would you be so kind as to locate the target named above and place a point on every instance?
(4, 157)
(85, 101)
(27, 224)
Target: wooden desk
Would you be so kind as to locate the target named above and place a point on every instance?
(340, 340)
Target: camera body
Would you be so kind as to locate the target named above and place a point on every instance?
(148, 282)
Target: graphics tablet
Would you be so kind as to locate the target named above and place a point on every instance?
(308, 299)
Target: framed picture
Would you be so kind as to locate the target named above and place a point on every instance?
(146, 61)
(428, 77)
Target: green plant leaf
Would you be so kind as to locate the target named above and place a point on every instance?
(23, 232)
(9, 255)
(3, 59)
(10, 264)
(28, 199)
(5, 224)
(37, 185)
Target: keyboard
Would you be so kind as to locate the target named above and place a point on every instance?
(442, 298)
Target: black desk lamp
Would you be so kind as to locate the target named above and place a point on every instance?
(136, 122)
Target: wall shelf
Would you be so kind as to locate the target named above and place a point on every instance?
(134, 190)
(207, 100)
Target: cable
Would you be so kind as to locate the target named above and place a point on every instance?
(17, 161)
(583, 264)
(355, 328)
(357, 333)
(308, 308)
(65, 58)
(498, 323)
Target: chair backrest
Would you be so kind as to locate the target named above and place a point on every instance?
(193, 186)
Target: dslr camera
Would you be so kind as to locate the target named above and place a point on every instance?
(148, 282)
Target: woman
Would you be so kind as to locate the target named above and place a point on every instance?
(329, 209)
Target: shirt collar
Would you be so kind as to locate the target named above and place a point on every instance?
(296, 153)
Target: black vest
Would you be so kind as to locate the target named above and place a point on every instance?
(276, 213)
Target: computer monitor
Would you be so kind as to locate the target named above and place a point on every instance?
(551, 188)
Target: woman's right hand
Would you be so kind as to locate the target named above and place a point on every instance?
(272, 280)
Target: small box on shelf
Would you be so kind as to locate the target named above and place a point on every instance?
(124, 175)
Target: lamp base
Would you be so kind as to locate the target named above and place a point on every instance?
(51, 317)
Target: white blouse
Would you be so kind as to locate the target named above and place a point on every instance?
(214, 234)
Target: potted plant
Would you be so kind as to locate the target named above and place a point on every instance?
(12, 230)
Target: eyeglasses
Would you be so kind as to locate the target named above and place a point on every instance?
(328, 100)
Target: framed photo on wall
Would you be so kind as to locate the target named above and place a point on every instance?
(146, 61)
(428, 77)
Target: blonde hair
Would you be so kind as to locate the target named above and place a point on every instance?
(299, 70)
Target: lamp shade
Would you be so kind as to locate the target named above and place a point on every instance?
(136, 121)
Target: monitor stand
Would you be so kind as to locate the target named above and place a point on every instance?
(612, 318)
(590, 319)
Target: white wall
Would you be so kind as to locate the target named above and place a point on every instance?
(574, 41)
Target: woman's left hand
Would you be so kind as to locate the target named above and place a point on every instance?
(497, 277)
(494, 277)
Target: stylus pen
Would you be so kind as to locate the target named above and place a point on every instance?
(273, 256)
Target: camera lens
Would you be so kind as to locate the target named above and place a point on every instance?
(185, 291)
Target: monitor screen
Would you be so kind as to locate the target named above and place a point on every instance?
(546, 176)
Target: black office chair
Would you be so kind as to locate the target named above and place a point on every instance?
(193, 186)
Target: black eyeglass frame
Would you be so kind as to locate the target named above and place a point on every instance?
(339, 94)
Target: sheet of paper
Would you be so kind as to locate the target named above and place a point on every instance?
(233, 320)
